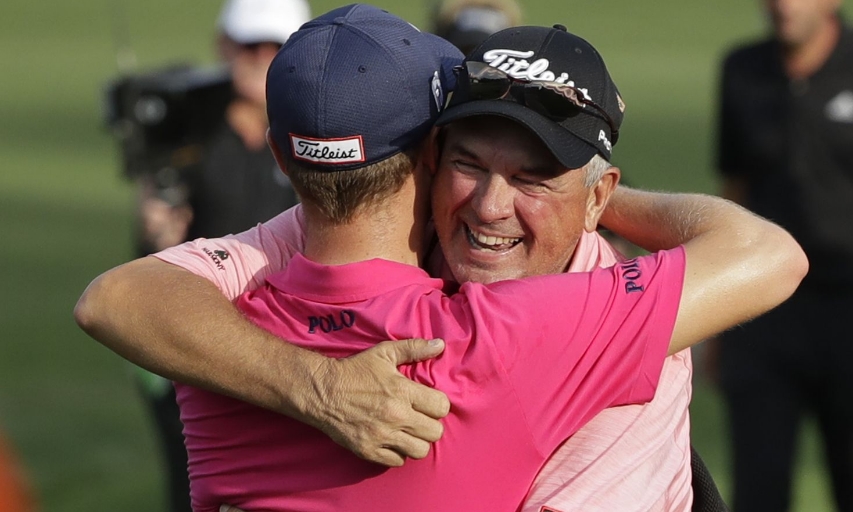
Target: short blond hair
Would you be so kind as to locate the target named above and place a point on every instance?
(339, 195)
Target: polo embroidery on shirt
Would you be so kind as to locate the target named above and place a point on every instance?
(631, 274)
(329, 323)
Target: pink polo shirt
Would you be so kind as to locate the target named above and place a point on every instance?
(518, 388)
(631, 458)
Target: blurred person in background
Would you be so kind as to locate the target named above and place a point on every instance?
(235, 165)
(15, 495)
(786, 152)
(467, 23)
(236, 162)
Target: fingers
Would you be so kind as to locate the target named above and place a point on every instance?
(396, 414)
(410, 446)
(412, 350)
(425, 428)
(387, 457)
(374, 411)
(403, 446)
(427, 400)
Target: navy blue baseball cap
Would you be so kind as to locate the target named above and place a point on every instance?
(356, 86)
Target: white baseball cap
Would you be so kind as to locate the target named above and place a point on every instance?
(258, 21)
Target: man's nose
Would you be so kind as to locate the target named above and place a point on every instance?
(494, 199)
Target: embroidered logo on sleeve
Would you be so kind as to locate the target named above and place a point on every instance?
(631, 274)
(217, 256)
(347, 150)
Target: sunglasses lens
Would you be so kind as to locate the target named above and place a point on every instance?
(488, 89)
(549, 103)
(486, 82)
(482, 71)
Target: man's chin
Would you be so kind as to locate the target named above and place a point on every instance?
(476, 274)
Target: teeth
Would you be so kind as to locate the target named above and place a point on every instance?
(492, 242)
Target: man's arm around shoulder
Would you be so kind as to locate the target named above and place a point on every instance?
(179, 325)
(738, 265)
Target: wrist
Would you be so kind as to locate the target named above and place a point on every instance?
(303, 389)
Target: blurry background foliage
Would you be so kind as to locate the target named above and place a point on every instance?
(66, 403)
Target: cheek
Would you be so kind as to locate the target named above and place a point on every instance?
(451, 190)
(555, 222)
(559, 209)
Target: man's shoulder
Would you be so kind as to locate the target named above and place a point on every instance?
(751, 55)
(845, 44)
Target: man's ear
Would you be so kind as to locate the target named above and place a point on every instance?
(276, 153)
(431, 151)
(598, 197)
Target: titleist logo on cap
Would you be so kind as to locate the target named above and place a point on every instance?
(515, 64)
(348, 150)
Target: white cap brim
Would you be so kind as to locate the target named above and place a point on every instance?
(257, 21)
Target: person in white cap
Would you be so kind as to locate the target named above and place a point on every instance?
(235, 164)
(250, 34)
(250, 21)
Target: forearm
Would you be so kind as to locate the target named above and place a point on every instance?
(658, 221)
(738, 265)
(178, 325)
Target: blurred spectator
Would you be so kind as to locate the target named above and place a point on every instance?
(467, 23)
(14, 494)
(213, 200)
(786, 152)
(236, 162)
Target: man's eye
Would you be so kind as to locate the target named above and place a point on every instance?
(529, 182)
(468, 166)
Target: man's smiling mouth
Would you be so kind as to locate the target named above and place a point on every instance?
(490, 243)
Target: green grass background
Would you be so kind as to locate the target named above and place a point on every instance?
(66, 403)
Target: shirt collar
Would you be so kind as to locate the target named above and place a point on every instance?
(347, 283)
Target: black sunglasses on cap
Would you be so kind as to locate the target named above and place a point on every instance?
(480, 81)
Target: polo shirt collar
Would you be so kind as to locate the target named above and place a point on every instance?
(347, 283)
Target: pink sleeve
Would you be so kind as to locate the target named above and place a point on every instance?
(618, 321)
(241, 262)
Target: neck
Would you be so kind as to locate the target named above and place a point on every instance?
(249, 122)
(392, 230)
(803, 60)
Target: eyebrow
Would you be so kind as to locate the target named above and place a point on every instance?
(546, 170)
(461, 149)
